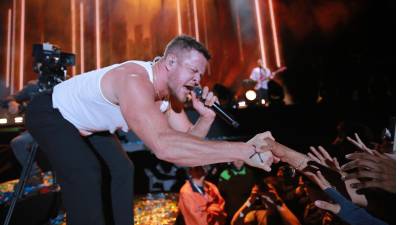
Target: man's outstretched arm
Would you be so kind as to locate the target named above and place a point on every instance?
(135, 96)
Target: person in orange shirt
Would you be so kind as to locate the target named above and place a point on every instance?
(200, 201)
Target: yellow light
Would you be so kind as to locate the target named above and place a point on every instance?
(18, 119)
(3, 120)
(251, 95)
(242, 104)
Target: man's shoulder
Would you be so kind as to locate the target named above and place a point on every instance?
(208, 183)
(186, 188)
(130, 73)
(132, 67)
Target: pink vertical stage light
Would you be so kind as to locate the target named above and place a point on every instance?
(189, 18)
(260, 34)
(73, 32)
(239, 34)
(178, 12)
(82, 43)
(274, 33)
(12, 78)
(22, 46)
(205, 32)
(8, 51)
(97, 34)
(196, 20)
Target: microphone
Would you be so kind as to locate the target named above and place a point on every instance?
(217, 108)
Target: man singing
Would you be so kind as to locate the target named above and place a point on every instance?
(75, 127)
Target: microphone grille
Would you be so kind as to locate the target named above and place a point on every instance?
(198, 91)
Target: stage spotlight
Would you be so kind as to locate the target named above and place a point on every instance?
(242, 104)
(18, 119)
(251, 95)
(3, 120)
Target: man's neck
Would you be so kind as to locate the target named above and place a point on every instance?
(160, 79)
(198, 182)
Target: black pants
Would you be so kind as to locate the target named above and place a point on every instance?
(75, 160)
(262, 94)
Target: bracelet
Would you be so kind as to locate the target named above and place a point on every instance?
(256, 153)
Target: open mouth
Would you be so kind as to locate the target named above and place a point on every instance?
(190, 88)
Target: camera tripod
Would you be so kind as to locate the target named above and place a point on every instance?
(26, 171)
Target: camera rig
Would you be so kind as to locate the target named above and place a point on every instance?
(51, 65)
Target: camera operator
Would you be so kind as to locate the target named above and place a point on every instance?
(21, 144)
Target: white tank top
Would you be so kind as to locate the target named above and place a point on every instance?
(80, 101)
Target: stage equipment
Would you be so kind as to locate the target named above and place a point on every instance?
(51, 65)
(20, 190)
(251, 95)
(249, 84)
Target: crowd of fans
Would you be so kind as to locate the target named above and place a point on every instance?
(348, 182)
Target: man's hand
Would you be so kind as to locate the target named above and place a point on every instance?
(214, 209)
(204, 108)
(13, 107)
(262, 156)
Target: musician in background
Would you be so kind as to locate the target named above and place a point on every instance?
(21, 144)
(262, 75)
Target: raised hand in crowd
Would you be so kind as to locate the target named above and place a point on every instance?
(324, 158)
(342, 207)
(271, 199)
(374, 170)
(360, 144)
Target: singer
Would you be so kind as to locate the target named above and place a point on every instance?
(84, 112)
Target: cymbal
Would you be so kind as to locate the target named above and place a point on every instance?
(249, 83)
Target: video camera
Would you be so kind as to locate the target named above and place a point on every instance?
(51, 65)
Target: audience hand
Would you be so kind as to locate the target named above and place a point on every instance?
(359, 144)
(322, 157)
(374, 170)
(320, 180)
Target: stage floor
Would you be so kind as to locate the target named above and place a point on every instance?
(150, 209)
